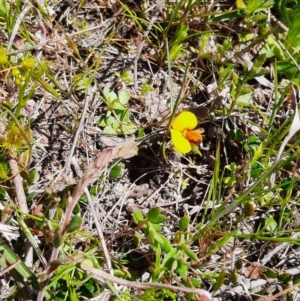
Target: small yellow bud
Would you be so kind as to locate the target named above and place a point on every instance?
(15, 72)
(18, 81)
(28, 63)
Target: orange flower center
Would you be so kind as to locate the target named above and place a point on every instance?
(194, 136)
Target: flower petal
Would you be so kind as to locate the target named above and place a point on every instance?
(194, 136)
(181, 144)
(185, 121)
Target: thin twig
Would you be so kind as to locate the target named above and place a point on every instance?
(98, 226)
(101, 275)
(21, 199)
(9, 268)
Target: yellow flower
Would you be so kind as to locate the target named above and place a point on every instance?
(183, 132)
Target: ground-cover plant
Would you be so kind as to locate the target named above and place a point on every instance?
(169, 259)
(117, 120)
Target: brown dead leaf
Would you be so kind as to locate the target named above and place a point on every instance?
(104, 157)
(126, 150)
(37, 210)
(252, 271)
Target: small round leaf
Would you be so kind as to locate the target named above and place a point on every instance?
(115, 172)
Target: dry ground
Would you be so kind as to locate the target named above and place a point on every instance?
(163, 53)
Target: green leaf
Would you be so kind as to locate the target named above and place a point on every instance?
(182, 269)
(72, 295)
(270, 224)
(108, 130)
(137, 216)
(75, 224)
(275, 47)
(110, 96)
(293, 36)
(125, 76)
(184, 223)
(287, 68)
(50, 89)
(31, 238)
(196, 282)
(76, 209)
(284, 11)
(123, 115)
(146, 88)
(238, 135)
(175, 52)
(157, 227)
(151, 236)
(124, 97)
(238, 264)
(252, 143)
(180, 33)
(116, 105)
(231, 179)
(103, 121)
(255, 6)
(31, 178)
(4, 10)
(220, 280)
(240, 4)
(158, 238)
(188, 252)
(284, 277)
(137, 238)
(141, 133)
(166, 246)
(227, 16)
(115, 172)
(155, 217)
(225, 72)
(244, 100)
(31, 196)
(163, 242)
(221, 242)
(129, 128)
(269, 272)
(168, 260)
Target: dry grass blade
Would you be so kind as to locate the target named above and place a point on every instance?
(21, 199)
